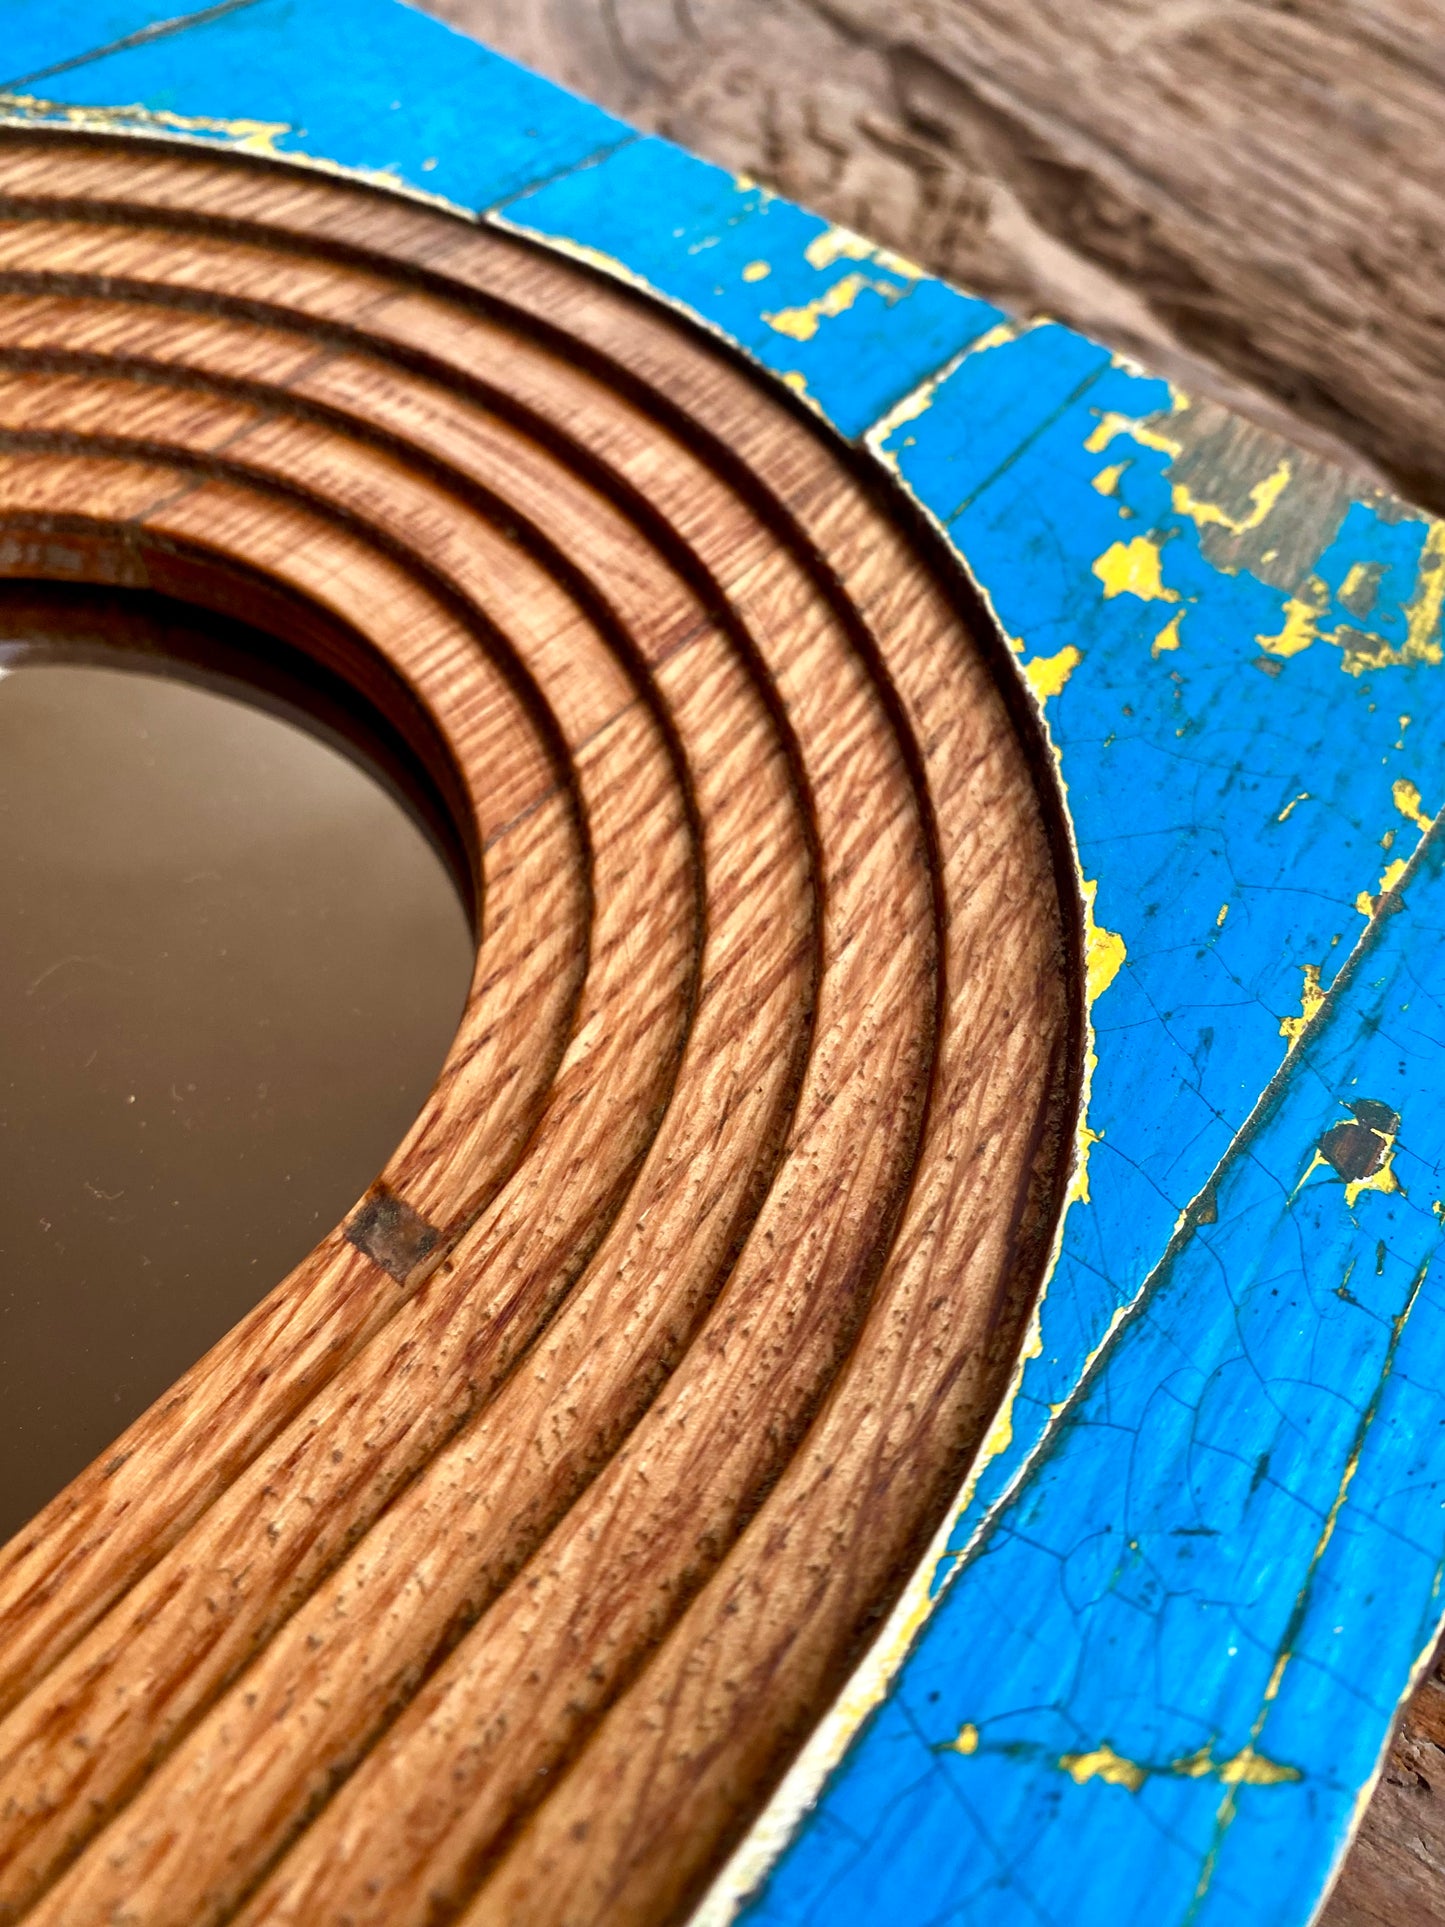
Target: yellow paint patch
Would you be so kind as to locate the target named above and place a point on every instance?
(252, 136)
(802, 324)
(1359, 577)
(842, 244)
(1223, 913)
(1112, 424)
(1364, 651)
(836, 244)
(1001, 1433)
(757, 271)
(1249, 1768)
(797, 381)
(999, 336)
(1107, 480)
(1104, 1764)
(1262, 498)
(967, 1741)
(1302, 613)
(1133, 568)
(1293, 804)
(1088, 1138)
(1407, 802)
(1046, 675)
(1422, 613)
(1366, 904)
(1245, 1768)
(1168, 637)
(1311, 998)
(1104, 950)
(898, 264)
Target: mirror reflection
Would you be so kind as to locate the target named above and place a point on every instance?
(234, 947)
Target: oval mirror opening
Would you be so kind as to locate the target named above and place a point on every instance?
(237, 940)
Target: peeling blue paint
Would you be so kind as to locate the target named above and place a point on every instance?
(377, 87)
(1235, 1542)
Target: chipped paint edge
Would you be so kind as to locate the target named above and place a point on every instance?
(134, 121)
(763, 1846)
(603, 263)
(242, 135)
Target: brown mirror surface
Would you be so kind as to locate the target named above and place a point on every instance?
(234, 951)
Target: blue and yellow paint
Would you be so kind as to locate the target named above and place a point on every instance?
(1149, 1670)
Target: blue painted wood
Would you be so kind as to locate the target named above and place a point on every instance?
(39, 35)
(1182, 1598)
(1155, 1684)
(380, 88)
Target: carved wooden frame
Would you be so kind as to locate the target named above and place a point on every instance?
(500, 1561)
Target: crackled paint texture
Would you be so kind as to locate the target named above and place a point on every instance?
(1150, 1672)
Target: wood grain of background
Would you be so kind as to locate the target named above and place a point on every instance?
(1246, 194)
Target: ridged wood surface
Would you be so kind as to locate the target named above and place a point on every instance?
(496, 1566)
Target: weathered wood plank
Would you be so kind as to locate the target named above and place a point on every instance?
(1395, 1873)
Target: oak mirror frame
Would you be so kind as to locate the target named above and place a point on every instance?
(498, 1563)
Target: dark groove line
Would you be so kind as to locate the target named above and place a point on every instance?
(159, 30)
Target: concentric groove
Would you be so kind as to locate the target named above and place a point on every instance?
(510, 1589)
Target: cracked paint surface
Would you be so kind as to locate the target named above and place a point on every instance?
(1184, 1549)
(1227, 1558)
(1151, 1665)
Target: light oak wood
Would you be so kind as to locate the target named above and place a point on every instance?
(498, 1564)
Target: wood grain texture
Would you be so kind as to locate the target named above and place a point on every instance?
(1245, 195)
(498, 1564)
(1394, 1875)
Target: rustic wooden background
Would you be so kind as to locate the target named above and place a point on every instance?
(1249, 195)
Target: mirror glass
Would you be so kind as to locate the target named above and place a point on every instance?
(235, 942)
